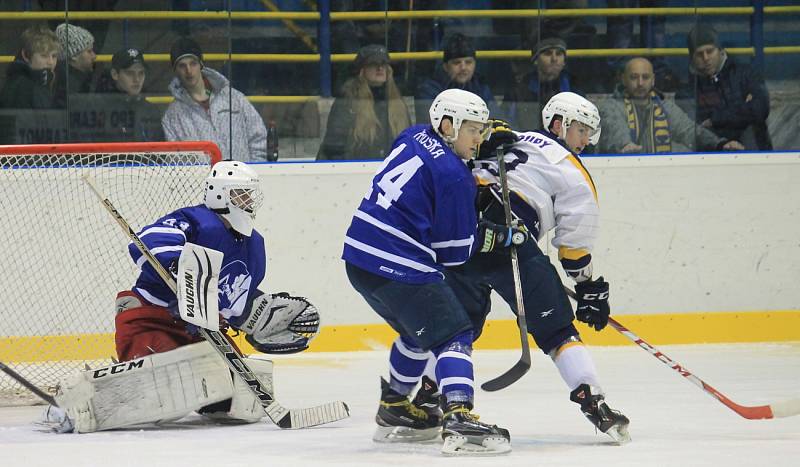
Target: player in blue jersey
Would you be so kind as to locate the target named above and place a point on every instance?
(550, 190)
(167, 368)
(418, 218)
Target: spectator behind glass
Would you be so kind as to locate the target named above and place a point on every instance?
(207, 108)
(638, 119)
(74, 75)
(368, 116)
(652, 34)
(29, 78)
(132, 117)
(457, 72)
(729, 98)
(523, 103)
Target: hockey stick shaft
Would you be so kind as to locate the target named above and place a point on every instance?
(279, 415)
(786, 408)
(523, 365)
(28, 385)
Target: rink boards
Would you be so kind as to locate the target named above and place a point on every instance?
(697, 248)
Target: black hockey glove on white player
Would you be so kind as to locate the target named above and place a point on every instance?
(496, 236)
(593, 306)
(280, 323)
(500, 134)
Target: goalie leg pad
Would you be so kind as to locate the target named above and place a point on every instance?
(245, 407)
(163, 386)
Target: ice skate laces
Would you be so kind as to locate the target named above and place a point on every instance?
(408, 406)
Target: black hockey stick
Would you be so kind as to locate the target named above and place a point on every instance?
(28, 385)
(787, 408)
(281, 416)
(524, 364)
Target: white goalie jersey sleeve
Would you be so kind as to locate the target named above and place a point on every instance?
(556, 184)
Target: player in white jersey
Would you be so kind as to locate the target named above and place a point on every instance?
(550, 190)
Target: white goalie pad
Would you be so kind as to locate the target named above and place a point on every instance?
(160, 387)
(198, 278)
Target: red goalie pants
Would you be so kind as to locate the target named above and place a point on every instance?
(144, 329)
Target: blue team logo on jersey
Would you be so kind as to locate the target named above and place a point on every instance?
(234, 283)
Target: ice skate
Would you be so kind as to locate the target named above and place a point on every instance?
(401, 421)
(603, 417)
(464, 435)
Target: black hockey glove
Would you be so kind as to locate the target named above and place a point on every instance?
(500, 134)
(593, 306)
(496, 236)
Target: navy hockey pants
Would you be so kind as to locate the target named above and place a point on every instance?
(429, 315)
(548, 311)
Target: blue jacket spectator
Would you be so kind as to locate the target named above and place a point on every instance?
(523, 102)
(457, 72)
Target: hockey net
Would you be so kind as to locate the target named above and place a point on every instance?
(64, 258)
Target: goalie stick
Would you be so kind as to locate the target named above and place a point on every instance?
(781, 409)
(28, 385)
(524, 364)
(281, 416)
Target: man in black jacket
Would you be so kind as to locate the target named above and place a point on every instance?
(729, 98)
(29, 78)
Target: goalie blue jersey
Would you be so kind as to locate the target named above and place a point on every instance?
(243, 265)
(419, 214)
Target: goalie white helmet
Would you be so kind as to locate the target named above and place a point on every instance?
(459, 105)
(233, 191)
(572, 107)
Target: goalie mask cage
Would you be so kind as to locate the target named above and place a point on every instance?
(65, 258)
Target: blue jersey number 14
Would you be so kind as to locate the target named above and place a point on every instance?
(392, 181)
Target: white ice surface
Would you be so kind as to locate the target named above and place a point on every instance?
(673, 423)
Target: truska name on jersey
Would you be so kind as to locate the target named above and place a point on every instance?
(419, 214)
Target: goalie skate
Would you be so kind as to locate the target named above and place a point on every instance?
(464, 435)
(402, 421)
(594, 408)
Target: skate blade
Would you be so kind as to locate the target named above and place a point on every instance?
(455, 445)
(619, 433)
(404, 434)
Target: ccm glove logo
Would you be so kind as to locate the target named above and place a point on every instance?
(595, 296)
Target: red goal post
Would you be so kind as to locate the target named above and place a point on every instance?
(64, 258)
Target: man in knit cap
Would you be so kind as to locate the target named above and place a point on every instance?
(727, 97)
(457, 72)
(523, 102)
(75, 71)
(206, 107)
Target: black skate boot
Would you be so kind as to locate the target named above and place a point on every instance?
(605, 419)
(463, 434)
(428, 400)
(400, 421)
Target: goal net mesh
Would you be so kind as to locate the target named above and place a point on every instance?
(64, 256)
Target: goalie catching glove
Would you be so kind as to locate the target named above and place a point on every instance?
(280, 323)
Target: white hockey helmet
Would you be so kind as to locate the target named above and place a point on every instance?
(459, 105)
(572, 107)
(233, 191)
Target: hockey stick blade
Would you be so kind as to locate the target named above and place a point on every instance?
(28, 385)
(308, 417)
(787, 408)
(509, 377)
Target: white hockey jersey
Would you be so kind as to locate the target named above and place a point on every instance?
(554, 182)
